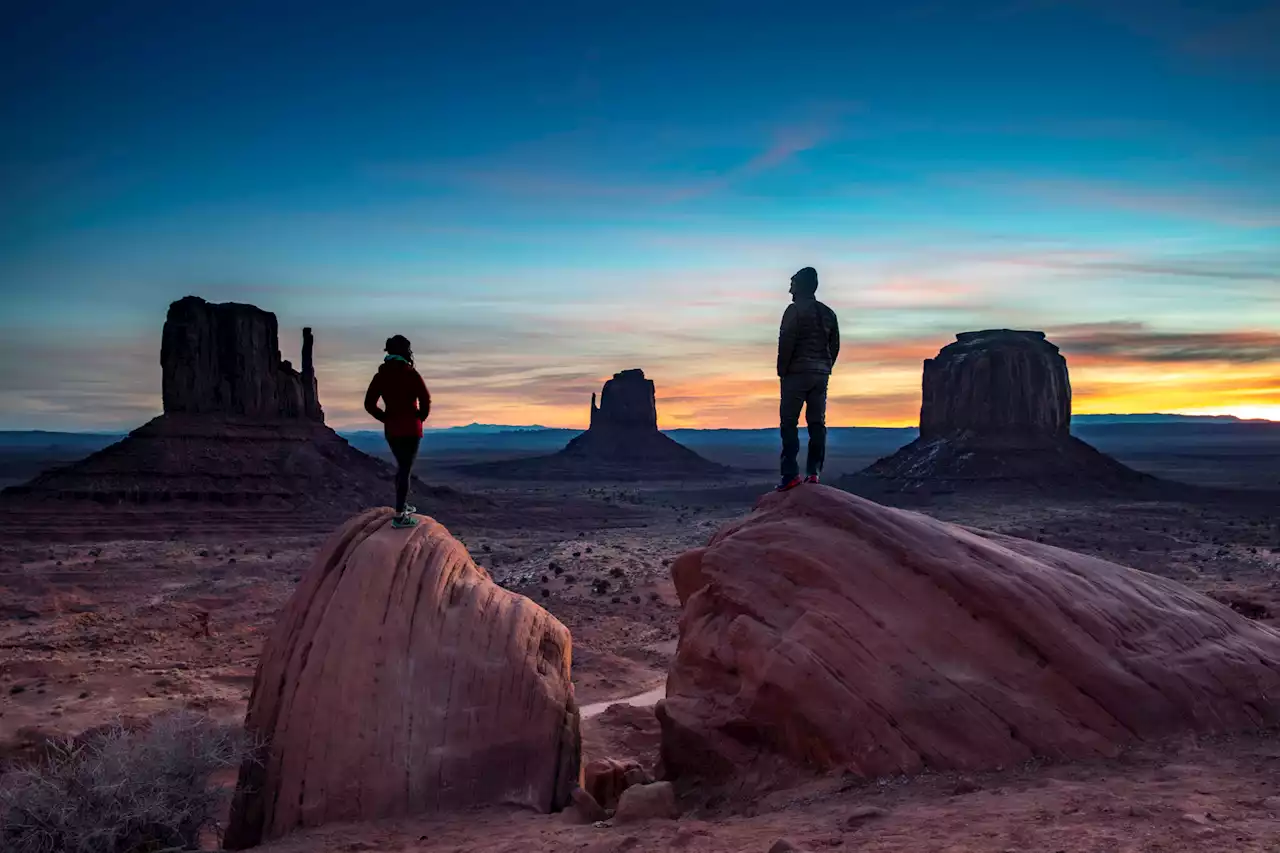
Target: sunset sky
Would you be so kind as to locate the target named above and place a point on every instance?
(541, 194)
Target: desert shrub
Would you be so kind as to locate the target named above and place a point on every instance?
(121, 790)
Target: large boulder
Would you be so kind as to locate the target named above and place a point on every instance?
(825, 631)
(401, 680)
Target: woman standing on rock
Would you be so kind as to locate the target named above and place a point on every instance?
(408, 403)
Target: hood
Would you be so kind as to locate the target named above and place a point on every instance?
(805, 284)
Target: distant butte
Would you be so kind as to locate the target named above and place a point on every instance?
(622, 443)
(241, 428)
(996, 407)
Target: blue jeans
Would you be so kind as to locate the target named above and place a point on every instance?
(807, 391)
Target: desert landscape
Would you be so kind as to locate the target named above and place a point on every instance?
(149, 577)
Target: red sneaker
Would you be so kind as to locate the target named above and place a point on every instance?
(788, 485)
(812, 478)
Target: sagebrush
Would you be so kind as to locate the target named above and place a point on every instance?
(122, 790)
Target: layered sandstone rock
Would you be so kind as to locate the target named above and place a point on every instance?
(825, 631)
(996, 406)
(401, 680)
(224, 359)
(622, 443)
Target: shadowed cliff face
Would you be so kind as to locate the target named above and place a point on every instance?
(225, 359)
(627, 402)
(995, 406)
(996, 382)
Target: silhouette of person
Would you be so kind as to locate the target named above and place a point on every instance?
(408, 403)
(808, 345)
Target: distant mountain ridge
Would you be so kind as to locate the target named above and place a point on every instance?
(35, 438)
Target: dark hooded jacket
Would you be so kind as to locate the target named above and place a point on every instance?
(809, 339)
(405, 395)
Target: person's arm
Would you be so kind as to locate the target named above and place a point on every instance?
(833, 339)
(424, 400)
(786, 339)
(371, 400)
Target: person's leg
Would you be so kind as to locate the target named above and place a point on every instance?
(792, 399)
(815, 415)
(405, 451)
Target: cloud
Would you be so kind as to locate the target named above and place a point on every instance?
(1202, 203)
(1135, 342)
(539, 172)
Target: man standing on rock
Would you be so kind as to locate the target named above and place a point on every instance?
(808, 344)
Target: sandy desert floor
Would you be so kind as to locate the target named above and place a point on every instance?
(100, 622)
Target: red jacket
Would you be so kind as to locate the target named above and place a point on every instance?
(406, 397)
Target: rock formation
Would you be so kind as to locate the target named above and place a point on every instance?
(401, 680)
(627, 403)
(827, 632)
(225, 359)
(240, 427)
(996, 406)
(621, 443)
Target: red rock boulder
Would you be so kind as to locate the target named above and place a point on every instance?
(400, 679)
(826, 631)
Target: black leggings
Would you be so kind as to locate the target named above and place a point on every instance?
(405, 449)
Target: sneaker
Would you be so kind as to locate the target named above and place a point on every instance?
(788, 484)
(812, 478)
(404, 519)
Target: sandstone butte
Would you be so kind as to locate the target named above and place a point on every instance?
(996, 406)
(623, 442)
(825, 631)
(400, 679)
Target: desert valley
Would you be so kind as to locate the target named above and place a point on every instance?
(938, 651)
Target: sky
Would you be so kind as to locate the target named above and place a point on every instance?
(541, 194)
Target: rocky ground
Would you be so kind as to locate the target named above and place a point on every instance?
(125, 624)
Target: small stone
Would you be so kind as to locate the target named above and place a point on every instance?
(1197, 818)
(783, 845)
(585, 808)
(862, 814)
(643, 802)
(966, 785)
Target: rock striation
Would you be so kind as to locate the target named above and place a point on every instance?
(622, 443)
(825, 631)
(241, 428)
(401, 680)
(996, 406)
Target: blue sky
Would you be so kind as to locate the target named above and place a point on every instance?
(539, 195)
